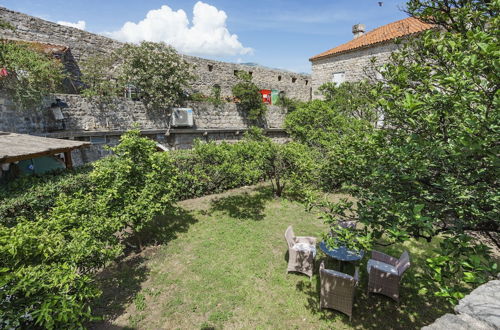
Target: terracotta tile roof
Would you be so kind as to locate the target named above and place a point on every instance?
(387, 32)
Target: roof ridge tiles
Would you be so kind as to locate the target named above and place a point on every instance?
(400, 28)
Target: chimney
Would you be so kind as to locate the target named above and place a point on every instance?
(358, 30)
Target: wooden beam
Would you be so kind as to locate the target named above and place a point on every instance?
(13, 159)
(67, 160)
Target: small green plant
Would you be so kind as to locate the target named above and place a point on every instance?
(6, 25)
(288, 103)
(249, 97)
(215, 97)
(140, 302)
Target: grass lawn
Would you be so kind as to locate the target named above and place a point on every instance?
(221, 263)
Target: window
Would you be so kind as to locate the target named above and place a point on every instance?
(132, 92)
(279, 78)
(307, 82)
(338, 78)
(294, 80)
(97, 139)
(210, 67)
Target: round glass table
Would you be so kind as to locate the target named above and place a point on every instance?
(341, 254)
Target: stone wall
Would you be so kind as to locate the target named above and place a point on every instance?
(480, 310)
(103, 126)
(209, 73)
(357, 65)
(80, 115)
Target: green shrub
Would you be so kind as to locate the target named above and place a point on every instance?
(250, 99)
(48, 259)
(29, 196)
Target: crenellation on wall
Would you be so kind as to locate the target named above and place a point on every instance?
(295, 85)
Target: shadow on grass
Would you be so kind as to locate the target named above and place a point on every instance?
(245, 206)
(375, 311)
(121, 282)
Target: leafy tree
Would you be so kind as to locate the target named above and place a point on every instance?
(250, 99)
(100, 78)
(31, 75)
(352, 99)
(292, 165)
(345, 141)
(135, 184)
(158, 73)
(436, 168)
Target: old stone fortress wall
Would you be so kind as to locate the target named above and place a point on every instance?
(209, 73)
(101, 126)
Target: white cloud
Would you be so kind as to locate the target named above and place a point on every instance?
(79, 25)
(206, 35)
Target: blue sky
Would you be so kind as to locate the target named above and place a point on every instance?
(280, 33)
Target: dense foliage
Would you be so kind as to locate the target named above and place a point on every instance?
(155, 71)
(352, 99)
(100, 78)
(49, 257)
(438, 164)
(434, 170)
(249, 97)
(343, 140)
(159, 73)
(30, 196)
(30, 73)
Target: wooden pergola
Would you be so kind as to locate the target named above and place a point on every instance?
(15, 147)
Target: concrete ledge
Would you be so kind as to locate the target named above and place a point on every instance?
(173, 131)
(480, 310)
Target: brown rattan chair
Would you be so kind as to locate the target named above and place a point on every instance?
(385, 273)
(301, 252)
(337, 289)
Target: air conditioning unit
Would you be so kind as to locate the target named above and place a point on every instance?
(182, 117)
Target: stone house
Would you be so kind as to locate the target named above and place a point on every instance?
(352, 61)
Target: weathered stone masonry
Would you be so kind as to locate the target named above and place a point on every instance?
(103, 126)
(357, 64)
(209, 73)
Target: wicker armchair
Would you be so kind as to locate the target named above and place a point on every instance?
(337, 289)
(301, 252)
(385, 273)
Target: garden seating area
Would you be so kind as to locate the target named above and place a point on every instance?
(221, 261)
(337, 288)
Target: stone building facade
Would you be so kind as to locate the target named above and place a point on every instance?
(355, 66)
(209, 73)
(359, 58)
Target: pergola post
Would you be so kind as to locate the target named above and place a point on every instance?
(67, 160)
